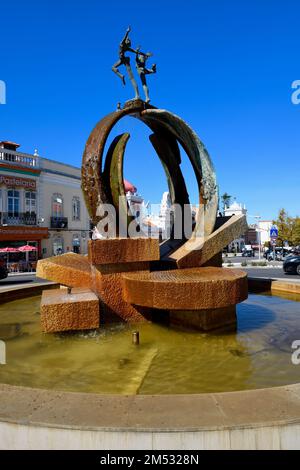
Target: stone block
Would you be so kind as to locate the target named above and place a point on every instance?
(196, 253)
(69, 269)
(108, 284)
(61, 311)
(186, 289)
(123, 250)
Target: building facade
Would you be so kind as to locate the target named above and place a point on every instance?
(235, 208)
(41, 203)
(264, 227)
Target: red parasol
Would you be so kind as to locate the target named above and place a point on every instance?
(27, 248)
(9, 250)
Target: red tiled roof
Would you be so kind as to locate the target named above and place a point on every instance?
(129, 187)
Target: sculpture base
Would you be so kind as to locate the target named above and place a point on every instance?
(61, 311)
(202, 298)
(204, 320)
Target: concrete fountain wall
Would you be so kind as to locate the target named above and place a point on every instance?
(257, 419)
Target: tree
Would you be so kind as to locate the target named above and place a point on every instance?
(285, 225)
(296, 231)
(226, 200)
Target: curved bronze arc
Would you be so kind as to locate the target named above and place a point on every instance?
(114, 170)
(199, 158)
(168, 151)
(94, 187)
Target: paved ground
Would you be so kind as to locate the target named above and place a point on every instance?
(21, 279)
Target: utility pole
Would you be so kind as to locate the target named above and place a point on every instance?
(258, 217)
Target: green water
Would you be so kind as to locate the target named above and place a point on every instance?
(257, 355)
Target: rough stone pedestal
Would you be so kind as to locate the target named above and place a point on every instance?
(201, 298)
(110, 258)
(206, 320)
(61, 311)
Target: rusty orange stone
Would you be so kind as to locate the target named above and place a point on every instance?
(70, 269)
(61, 311)
(123, 250)
(186, 289)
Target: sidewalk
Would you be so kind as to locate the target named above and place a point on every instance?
(22, 274)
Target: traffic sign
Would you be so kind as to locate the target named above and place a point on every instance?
(274, 231)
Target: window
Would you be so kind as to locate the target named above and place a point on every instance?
(13, 202)
(76, 208)
(57, 205)
(76, 244)
(58, 246)
(30, 201)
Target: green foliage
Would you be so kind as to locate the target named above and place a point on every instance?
(296, 231)
(226, 200)
(288, 228)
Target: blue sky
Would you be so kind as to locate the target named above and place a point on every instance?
(226, 67)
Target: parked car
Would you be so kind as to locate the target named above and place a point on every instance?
(248, 253)
(3, 271)
(291, 264)
(269, 255)
(279, 254)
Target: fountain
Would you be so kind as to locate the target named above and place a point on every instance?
(132, 275)
(152, 346)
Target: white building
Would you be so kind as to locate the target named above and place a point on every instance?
(41, 203)
(264, 227)
(236, 209)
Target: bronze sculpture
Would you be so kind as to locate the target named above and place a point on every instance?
(125, 46)
(141, 58)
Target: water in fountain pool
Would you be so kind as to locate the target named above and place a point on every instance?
(256, 355)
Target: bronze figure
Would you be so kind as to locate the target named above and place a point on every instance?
(125, 46)
(140, 60)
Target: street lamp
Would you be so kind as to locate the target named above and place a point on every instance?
(258, 217)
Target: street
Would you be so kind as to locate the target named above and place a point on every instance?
(249, 261)
(270, 273)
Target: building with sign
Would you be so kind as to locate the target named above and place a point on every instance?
(41, 203)
(264, 229)
(235, 208)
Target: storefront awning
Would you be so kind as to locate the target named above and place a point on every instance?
(15, 233)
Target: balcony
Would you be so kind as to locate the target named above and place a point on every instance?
(23, 218)
(19, 158)
(59, 223)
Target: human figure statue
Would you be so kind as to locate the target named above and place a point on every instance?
(140, 60)
(125, 46)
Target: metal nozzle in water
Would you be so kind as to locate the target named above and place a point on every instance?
(135, 337)
(69, 290)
